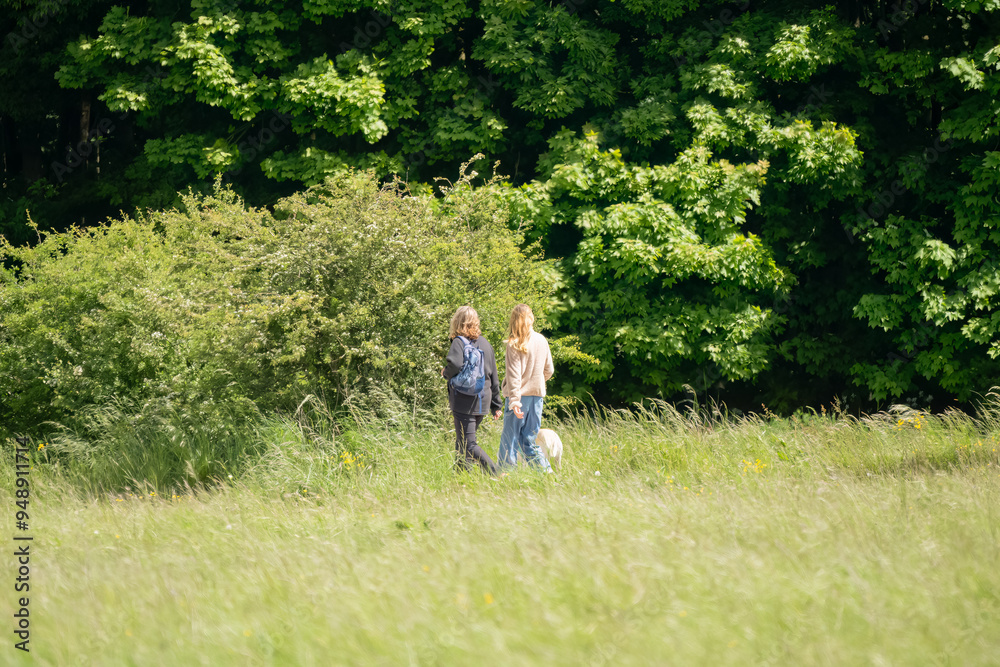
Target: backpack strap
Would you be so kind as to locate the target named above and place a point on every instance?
(465, 341)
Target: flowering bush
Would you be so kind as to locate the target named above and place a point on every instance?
(344, 287)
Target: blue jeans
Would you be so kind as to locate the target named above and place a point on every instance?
(520, 434)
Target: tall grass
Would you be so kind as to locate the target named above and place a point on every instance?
(157, 446)
(668, 537)
(163, 449)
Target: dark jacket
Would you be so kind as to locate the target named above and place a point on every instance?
(470, 405)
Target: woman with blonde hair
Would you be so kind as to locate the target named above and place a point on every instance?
(529, 366)
(473, 386)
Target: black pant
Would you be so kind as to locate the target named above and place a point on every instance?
(468, 452)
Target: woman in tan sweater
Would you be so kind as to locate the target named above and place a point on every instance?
(529, 365)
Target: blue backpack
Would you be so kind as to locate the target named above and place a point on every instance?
(472, 378)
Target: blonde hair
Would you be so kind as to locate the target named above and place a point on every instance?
(519, 331)
(465, 323)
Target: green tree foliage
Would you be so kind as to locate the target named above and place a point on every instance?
(40, 122)
(929, 226)
(346, 286)
(664, 280)
(784, 200)
(682, 218)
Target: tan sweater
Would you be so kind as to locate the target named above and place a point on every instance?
(527, 371)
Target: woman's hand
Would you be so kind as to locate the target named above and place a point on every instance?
(517, 412)
(498, 414)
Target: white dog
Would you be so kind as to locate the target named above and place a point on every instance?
(551, 446)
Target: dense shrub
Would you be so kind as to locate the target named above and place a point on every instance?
(343, 287)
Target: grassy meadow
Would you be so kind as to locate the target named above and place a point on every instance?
(666, 538)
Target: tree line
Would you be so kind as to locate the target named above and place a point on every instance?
(761, 201)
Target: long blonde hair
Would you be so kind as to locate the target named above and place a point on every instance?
(519, 331)
(465, 323)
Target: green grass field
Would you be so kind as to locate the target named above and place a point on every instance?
(665, 539)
